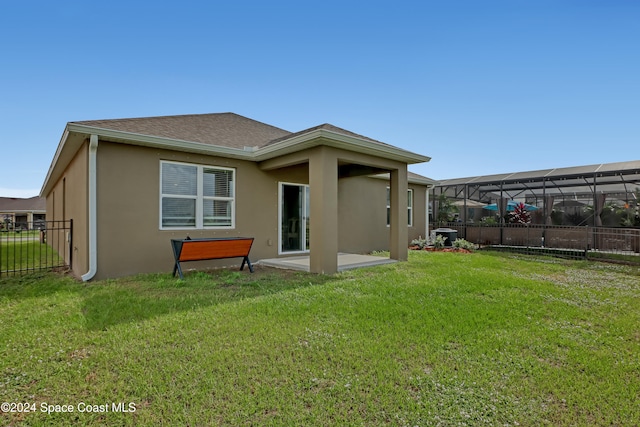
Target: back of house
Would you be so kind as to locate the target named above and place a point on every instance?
(132, 185)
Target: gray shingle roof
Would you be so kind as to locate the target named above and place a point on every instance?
(329, 127)
(220, 129)
(416, 176)
(14, 204)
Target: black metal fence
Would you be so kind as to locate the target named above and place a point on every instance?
(580, 242)
(42, 245)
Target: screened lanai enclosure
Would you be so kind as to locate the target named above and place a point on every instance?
(583, 210)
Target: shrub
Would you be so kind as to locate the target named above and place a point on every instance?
(464, 244)
(488, 220)
(438, 242)
(420, 242)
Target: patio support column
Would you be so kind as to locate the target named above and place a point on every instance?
(323, 223)
(426, 210)
(398, 244)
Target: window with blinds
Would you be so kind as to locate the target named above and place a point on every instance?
(196, 196)
(409, 207)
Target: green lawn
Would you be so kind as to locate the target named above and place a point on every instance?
(445, 339)
(26, 253)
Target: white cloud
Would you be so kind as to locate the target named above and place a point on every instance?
(18, 192)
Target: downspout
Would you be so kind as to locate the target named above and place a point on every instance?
(93, 223)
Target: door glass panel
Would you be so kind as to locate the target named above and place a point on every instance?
(295, 223)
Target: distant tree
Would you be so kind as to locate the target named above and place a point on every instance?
(446, 209)
(575, 218)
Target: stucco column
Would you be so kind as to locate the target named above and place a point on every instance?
(398, 241)
(323, 222)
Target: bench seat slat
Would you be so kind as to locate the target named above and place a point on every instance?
(211, 248)
(202, 250)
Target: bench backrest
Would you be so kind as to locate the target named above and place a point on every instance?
(193, 250)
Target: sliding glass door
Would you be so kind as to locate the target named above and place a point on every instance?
(294, 218)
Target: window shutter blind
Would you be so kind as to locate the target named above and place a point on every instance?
(218, 183)
(178, 212)
(179, 179)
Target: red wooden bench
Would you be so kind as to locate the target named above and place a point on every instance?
(211, 248)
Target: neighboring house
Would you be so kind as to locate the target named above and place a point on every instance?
(24, 214)
(131, 185)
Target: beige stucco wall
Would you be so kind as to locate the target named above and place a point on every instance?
(68, 200)
(129, 237)
(128, 210)
(362, 214)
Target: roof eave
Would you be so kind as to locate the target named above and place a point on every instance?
(160, 142)
(337, 140)
(422, 180)
(21, 211)
(132, 139)
(54, 162)
(287, 146)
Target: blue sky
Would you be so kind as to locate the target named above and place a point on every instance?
(480, 86)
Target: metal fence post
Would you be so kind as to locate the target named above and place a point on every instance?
(71, 243)
(586, 242)
(37, 246)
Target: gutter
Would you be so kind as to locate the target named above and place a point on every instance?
(142, 140)
(93, 205)
(287, 146)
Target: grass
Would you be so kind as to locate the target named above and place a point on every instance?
(26, 255)
(445, 339)
(17, 234)
(614, 257)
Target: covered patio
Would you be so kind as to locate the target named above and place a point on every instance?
(332, 156)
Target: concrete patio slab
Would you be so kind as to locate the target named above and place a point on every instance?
(345, 262)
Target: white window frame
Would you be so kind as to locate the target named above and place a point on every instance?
(200, 197)
(305, 215)
(409, 206)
